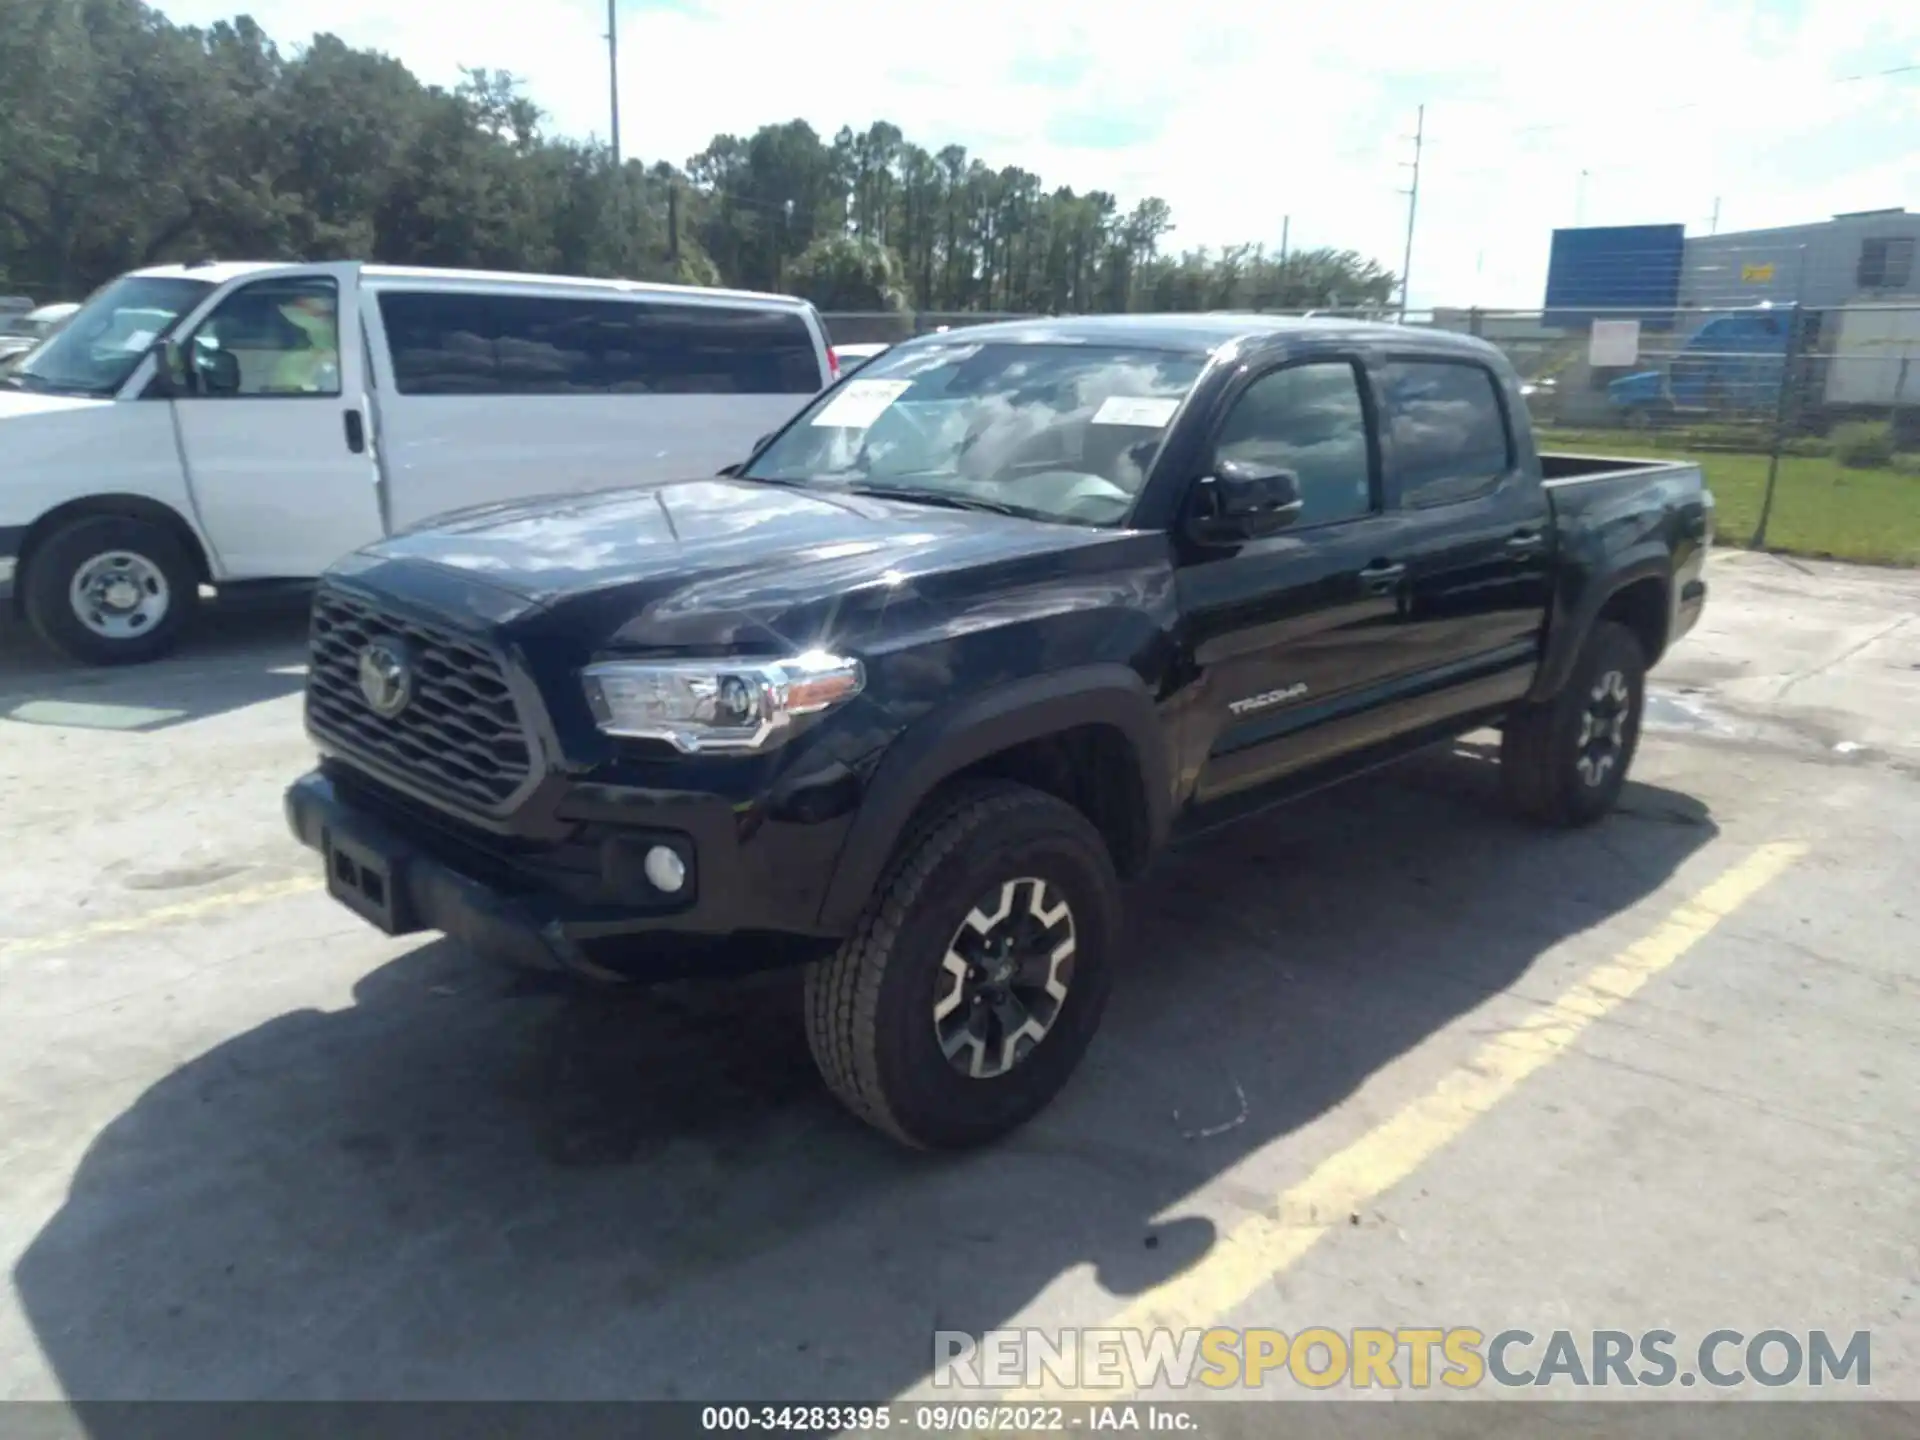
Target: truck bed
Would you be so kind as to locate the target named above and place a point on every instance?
(1556, 466)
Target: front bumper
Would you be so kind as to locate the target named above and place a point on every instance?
(528, 910)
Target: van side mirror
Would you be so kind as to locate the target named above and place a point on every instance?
(1242, 501)
(216, 371)
(169, 371)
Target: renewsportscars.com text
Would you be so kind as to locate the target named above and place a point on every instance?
(1458, 1358)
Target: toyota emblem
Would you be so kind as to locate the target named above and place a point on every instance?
(386, 677)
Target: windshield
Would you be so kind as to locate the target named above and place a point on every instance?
(98, 348)
(1059, 432)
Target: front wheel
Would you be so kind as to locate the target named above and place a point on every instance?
(1564, 762)
(110, 590)
(976, 978)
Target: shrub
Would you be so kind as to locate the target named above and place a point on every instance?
(1863, 444)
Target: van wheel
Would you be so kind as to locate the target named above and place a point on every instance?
(1564, 762)
(974, 981)
(110, 590)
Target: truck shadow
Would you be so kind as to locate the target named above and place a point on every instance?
(239, 653)
(478, 1194)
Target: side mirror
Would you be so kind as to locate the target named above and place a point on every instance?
(752, 450)
(170, 376)
(1241, 501)
(217, 371)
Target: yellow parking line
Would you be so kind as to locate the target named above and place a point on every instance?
(154, 919)
(1245, 1259)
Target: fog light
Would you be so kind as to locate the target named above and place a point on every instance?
(665, 869)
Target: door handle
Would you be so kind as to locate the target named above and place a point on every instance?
(356, 432)
(1382, 578)
(1526, 542)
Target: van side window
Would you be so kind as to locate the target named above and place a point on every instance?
(715, 350)
(450, 343)
(272, 338)
(442, 343)
(1448, 430)
(1308, 419)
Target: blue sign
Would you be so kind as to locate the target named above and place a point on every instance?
(1617, 271)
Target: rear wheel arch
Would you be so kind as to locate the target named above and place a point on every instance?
(1638, 595)
(1644, 606)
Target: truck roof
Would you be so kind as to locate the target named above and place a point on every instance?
(1206, 332)
(221, 271)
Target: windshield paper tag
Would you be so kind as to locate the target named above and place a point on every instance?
(1147, 411)
(860, 403)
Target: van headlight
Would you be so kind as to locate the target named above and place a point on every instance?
(707, 706)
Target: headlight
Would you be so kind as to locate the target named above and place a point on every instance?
(702, 706)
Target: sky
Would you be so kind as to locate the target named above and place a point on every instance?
(1252, 120)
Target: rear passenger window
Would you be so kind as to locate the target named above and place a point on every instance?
(446, 343)
(1449, 431)
(1308, 419)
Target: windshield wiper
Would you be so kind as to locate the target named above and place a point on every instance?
(946, 498)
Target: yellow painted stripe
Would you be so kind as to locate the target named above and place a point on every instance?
(154, 919)
(1249, 1256)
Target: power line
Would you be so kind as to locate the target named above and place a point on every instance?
(1697, 104)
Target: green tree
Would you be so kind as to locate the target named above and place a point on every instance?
(126, 139)
(848, 272)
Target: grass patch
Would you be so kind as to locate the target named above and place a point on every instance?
(1820, 507)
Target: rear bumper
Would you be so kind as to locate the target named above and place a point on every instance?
(403, 882)
(1686, 611)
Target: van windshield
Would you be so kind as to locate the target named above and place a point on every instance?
(1055, 431)
(98, 348)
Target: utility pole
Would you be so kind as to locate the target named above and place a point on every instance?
(613, 78)
(1286, 225)
(1413, 205)
(1713, 225)
(613, 105)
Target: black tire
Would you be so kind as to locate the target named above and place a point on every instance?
(870, 1007)
(1542, 747)
(55, 562)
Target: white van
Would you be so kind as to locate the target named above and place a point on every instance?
(232, 423)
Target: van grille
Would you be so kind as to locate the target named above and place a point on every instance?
(460, 736)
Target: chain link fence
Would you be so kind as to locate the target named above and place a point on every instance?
(1806, 420)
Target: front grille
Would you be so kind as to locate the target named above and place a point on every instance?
(460, 736)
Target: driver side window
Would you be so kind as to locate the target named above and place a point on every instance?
(273, 338)
(1309, 419)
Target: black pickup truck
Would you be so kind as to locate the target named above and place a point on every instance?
(905, 695)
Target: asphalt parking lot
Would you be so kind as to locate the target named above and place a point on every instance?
(1382, 1059)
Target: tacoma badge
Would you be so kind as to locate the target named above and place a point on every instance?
(1271, 697)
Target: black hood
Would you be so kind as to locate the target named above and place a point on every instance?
(700, 562)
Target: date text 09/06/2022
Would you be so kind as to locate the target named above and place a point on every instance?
(967, 1419)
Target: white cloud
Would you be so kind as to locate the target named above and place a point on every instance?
(1257, 113)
